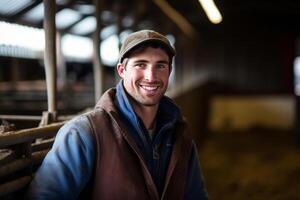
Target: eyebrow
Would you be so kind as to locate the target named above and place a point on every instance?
(163, 62)
(140, 61)
(146, 61)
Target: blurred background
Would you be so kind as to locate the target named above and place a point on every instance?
(236, 77)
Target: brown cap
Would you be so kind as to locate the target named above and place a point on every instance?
(140, 37)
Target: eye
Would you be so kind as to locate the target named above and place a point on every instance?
(140, 65)
(161, 66)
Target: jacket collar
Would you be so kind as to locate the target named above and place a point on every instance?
(116, 100)
(106, 102)
(167, 115)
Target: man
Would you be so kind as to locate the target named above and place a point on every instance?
(133, 145)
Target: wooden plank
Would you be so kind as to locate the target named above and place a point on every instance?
(14, 166)
(13, 186)
(42, 145)
(21, 117)
(19, 164)
(27, 135)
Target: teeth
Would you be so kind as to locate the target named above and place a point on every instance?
(151, 88)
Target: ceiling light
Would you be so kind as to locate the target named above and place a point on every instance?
(211, 11)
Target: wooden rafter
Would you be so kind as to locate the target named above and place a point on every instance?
(184, 25)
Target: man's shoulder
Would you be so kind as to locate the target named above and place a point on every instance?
(84, 120)
(94, 114)
(79, 122)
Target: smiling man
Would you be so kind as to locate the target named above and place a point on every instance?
(133, 145)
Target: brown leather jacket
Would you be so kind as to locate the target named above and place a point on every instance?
(120, 171)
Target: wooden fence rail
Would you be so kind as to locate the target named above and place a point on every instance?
(21, 152)
(28, 135)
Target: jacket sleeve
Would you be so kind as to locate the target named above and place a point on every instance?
(195, 188)
(69, 164)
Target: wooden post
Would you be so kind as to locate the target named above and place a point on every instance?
(15, 70)
(98, 68)
(120, 16)
(297, 120)
(50, 60)
(61, 64)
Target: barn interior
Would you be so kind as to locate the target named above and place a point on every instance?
(237, 80)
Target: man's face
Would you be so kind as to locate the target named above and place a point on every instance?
(145, 76)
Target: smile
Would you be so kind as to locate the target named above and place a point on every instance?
(149, 88)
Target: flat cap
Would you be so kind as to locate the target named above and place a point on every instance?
(143, 36)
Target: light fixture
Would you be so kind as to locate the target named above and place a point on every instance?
(211, 11)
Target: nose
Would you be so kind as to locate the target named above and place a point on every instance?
(150, 74)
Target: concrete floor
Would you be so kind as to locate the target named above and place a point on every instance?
(252, 165)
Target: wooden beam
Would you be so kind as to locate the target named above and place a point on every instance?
(18, 15)
(183, 24)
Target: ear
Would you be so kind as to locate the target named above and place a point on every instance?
(120, 69)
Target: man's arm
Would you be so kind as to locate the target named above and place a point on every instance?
(195, 188)
(69, 164)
